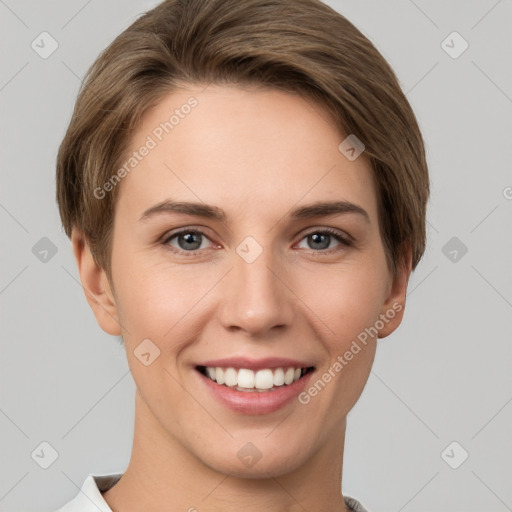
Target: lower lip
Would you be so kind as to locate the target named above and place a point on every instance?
(256, 402)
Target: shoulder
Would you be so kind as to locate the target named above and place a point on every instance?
(89, 498)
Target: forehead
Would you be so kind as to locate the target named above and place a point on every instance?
(241, 149)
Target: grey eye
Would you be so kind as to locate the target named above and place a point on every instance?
(319, 241)
(187, 240)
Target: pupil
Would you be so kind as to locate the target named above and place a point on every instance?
(190, 238)
(321, 239)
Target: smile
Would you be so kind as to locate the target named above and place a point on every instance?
(258, 391)
(247, 380)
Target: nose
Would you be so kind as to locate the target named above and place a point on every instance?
(256, 297)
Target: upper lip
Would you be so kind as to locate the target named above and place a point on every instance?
(255, 364)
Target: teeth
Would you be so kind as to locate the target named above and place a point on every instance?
(278, 377)
(289, 376)
(219, 375)
(245, 377)
(261, 380)
(230, 377)
(264, 379)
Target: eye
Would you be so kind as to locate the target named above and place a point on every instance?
(188, 240)
(321, 240)
(191, 241)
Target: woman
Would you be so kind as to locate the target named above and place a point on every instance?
(245, 186)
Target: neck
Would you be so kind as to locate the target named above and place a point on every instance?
(165, 475)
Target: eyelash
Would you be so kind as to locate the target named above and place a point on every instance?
(344, 241)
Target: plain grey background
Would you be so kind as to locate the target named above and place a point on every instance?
(441, 387)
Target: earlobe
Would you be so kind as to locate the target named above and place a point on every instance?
(96, 286)
(393, 308)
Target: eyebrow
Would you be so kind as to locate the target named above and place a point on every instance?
(318, 209)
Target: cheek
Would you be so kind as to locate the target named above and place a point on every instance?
(155, 304)
(346, 299)
(347, 310)
(159, 301)
(151, 303)
(153, 296)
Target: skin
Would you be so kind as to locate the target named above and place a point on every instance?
(256, 153)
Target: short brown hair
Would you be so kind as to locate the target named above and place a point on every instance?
(300, 46)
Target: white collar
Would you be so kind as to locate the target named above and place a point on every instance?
(89, 498)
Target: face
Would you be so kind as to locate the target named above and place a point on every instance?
(245, 239)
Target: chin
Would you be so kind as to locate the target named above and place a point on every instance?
(272, 466)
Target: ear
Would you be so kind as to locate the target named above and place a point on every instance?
(96, 286)
(393, 308)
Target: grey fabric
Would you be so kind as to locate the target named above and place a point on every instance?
(354, 505)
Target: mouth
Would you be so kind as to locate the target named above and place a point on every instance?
(254, 381)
